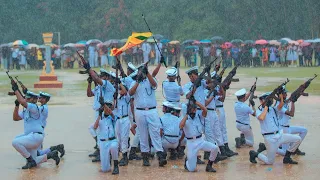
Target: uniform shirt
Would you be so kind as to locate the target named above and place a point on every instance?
(242, 111)
(43, 114)
(172, 91)
(96, 92)
(170, 124)
(127, 81)
(193, 127)
(212, 104)
(107, 90)
(271, 123)
(106, 127)
(31, 118)
(283, 118)
(123, 106)
(199, 94)
(145, 95)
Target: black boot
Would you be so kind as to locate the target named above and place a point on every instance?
(95, 153)
(287, 159)
(115, 167)
(243, 139)
(238, 142)
(206, 155)
(30, 163)
(97, 157)
(54, 155)
(229, 152)
(219, 158)
(124, 161)
(181, 151)
(59, 148)
(262, 147)
(199, 161)
(253, 156)
(133, 155)
(298, 152)
(209, 167)
(145, 157)
(162, 160)
(185, 164)
(96, 146)
(173, 154)
(223, 151)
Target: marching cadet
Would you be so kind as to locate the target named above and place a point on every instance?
(146, 115)
(270, 130)
(44, 99)
(284, 119)
(192, 127)
(28, 143)
(172, 90)
(108, 144)
(243, 111)
(212, 129)
(170, 130)
(123, 123)
(102, 92)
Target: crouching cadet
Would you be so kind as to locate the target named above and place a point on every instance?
(106, 137)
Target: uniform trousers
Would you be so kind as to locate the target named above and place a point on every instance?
(247, 131)
(149, 123)
(136, 137)
(27, 145)
(301, 131)
(215, 126)
(107, 147)
(170, 142)
(223, 126)
(273, 142)
(194, 146)
(122, 133)
(94, 132)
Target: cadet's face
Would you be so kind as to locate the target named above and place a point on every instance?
(42, 100)
(103, 77)
(171, 78)
(192, 77)
(284, 95)
(34, 100)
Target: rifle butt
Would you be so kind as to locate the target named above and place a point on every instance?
(11, 93)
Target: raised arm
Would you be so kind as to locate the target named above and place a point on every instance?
(16, 116)
(95, 77)
(203, 108)
(263, 115)
(21, 100)
(151, 80)
(292, 110)
(183, 121)
(133, 89)
(281, 102)
(156, 70)
(89, 91)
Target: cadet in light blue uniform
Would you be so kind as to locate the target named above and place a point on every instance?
(106, 137)
(28, 143)
(172, 90)
(44, 99)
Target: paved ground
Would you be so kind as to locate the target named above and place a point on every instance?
(70, 115)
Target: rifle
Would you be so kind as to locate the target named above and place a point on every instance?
(227, 81)
(24, 88)
(83, 63)
(277, 90)
(177, 66)
(206, 69)
(252, 96)
(300, 91)
(119, 66)
(213, 88)
(12, 82)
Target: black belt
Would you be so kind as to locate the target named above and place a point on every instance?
(276, 132)
(42, 127)
(218, 106)
(38, 132)
(195, 137)
(109, 139)
(241, 123)
(199, 108)
(173, 101)
(170, 135)
(210, 109)
(285, 126)
(146, 109)
(122, 117)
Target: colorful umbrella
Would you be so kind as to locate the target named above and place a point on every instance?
(93, 41)
(82, 42)
(174, 42)
(32, 46)
(196, 42)
(286, 39)
(123, 40)
(20, 43)
(69, 45)
(303, 44)
(283, 41)
(189, 41)
(227, 45)
(316, 40)
(191, 47)
(110, 42)
(150, 40)
(158, 36)
(217, 38)
(309, 40)
(205, 41)
(236, 41)
(4, 45)
(300, 41)
(294, 42)
(165, 41)
(261, 42)
(274, 42)
(248, 42)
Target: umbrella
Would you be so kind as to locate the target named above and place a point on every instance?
(274, 42)
(261, 42)
(4, 45)
(300, 41)
(82, 42)
(158, 36)
(110, 42)
(93, 41)
(205, 41)
(196, 42)
(191, 47)
(227, 45)
(123, 40)
(20, 43)
(316, 40)
(217, 38)
(32, 46)
(303, 44)
(150, 40)
(174, 42)
(188, 41)
(286, 39)
(309, 40)
(69, 45)
(283, 41)
(249, 42)
(236, 41)
(294, 42)
(165, 41)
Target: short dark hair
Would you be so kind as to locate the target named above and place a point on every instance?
(241, 97)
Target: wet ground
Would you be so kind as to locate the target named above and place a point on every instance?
(70, 115)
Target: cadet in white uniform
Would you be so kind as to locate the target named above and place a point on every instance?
(146, 115)
(44, 99)
(28, 143)
(243, 111)
(171, 89)
(273, 137)
(107, 140)
(123, 123)
(170, 130)
(284, 120)
(192, 127)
